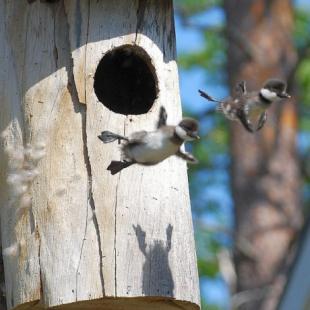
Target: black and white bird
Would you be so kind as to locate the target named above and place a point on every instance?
(151, 147)
(250, 107)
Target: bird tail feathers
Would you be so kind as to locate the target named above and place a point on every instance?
(208, 97)
(108, 136)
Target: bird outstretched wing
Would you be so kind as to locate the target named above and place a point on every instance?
(240, 88)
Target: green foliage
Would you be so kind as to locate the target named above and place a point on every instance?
(211, 57)
(213, 145)
(191, 7)
(302, 41)
(301, 28)
(206, 306)
(208, 268)
(303, 78)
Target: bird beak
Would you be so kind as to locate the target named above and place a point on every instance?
(284, 95)
(194, 135)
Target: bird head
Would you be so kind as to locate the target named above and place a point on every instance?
(187, 129)
(274, 89)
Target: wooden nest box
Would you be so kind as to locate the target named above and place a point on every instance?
(73, 235)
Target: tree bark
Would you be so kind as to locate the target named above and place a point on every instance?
(74, 236)
(265, 173)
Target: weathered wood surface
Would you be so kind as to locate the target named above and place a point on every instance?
(88, 234)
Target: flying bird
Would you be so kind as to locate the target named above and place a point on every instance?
(151, 147)
(250, 107)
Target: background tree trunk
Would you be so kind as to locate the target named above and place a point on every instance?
(265, 173)
(71, 232)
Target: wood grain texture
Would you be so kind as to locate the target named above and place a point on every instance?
(88, 234)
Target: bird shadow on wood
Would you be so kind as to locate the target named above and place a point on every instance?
(157, 277)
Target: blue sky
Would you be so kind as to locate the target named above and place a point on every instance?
(190, 40)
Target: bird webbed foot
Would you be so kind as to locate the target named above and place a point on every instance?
(187, 157)
(261, 121)
(108, 137)
(117, 166)
(245, 121)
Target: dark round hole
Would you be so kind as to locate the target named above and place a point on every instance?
(125, 80)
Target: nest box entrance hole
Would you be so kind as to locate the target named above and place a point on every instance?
(125, 80)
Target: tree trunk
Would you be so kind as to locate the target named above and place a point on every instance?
(265, 174)
(72, 234)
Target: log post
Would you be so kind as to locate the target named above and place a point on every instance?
(73, 236)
